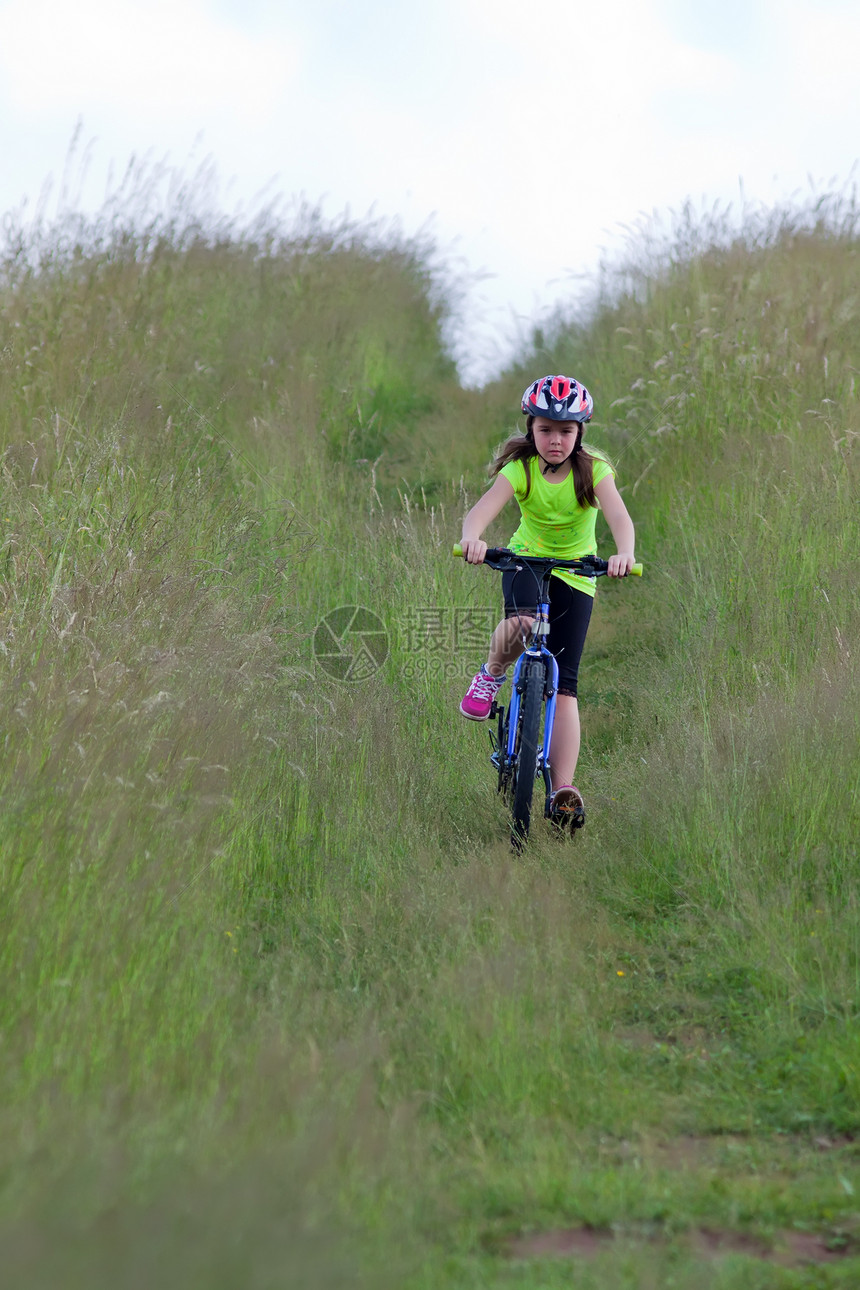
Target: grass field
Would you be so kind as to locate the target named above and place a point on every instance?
(280, 1007)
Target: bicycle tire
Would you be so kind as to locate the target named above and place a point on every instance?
(528, 737)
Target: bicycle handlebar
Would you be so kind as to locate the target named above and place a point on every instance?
(589, 566)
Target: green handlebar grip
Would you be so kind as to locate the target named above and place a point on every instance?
(637, 570)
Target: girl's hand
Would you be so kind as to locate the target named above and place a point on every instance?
(620, 564)
(474, 550)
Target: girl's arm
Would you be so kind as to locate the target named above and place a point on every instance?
(483, 513)
(620, 525)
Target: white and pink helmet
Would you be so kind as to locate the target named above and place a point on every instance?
(559, 398)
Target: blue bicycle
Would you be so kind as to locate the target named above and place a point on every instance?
(519, 754)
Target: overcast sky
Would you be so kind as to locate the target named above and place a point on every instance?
(528, 134)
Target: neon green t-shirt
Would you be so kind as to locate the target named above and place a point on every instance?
(551, 520)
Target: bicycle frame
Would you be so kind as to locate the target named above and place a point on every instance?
(535, 649)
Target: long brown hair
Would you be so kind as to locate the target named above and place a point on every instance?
(521, 447)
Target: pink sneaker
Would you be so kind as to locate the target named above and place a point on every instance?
(481, 695)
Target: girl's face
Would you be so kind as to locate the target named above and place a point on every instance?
(555, 440)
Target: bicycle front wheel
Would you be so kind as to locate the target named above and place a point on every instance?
(528, 738)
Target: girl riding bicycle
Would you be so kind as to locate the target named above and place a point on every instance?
(559, 485)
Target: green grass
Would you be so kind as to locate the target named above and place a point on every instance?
(279, 1005)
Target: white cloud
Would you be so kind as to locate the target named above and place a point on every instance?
(155, 58)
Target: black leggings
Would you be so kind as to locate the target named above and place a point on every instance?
(569, 616)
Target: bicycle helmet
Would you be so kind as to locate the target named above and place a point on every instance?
(558, 398)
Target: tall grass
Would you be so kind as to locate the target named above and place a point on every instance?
(735, 421)
(280, 1007)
